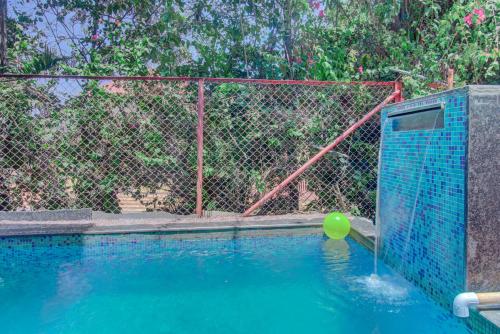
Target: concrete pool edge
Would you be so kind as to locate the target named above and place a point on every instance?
(362, 228)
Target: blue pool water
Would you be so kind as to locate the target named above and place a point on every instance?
(151, 283)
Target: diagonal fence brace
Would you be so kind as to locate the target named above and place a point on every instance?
(396, 94)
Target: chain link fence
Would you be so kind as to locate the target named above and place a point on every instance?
(125, 145)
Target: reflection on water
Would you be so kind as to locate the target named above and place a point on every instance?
(336, 254)
(72, 287)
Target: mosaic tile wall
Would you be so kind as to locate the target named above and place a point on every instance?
(481, 325)
(422, 198)
(88, 248)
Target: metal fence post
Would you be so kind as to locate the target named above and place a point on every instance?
(199, 136)
(450, 78)
(398, 86)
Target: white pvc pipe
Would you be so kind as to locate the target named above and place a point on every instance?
(462, 302)
(466, 300)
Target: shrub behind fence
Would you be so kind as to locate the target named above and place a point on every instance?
(118, 144)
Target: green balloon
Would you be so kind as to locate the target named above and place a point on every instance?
(336, 225)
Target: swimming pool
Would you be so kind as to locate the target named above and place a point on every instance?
(153, 283)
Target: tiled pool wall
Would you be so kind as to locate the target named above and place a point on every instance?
(481, 325)
(439, 194)
(111, 245)
(422, 198)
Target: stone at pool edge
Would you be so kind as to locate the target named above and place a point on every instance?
(47, 215)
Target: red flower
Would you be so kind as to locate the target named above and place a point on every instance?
(321, 13)
(480, 14)
(360, 69)
(468, 20)
(94, 37)
(314, 4)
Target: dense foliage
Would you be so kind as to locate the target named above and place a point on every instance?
(329, 39)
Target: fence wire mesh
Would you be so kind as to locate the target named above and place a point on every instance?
(131, 145)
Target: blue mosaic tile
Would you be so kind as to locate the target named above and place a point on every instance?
(24, 250)
(481, 325)
(422, 198)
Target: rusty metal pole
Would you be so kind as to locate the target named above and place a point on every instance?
(398, 86)
(199, 137)
(3, 35)
(320, 154)
(450, 78)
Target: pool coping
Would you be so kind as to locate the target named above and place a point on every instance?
(362, 228)
(489, 322)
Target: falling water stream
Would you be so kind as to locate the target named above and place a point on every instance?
(417, 191)
(374, 276)
(390, 288)
(377, 205)
(374, 282)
